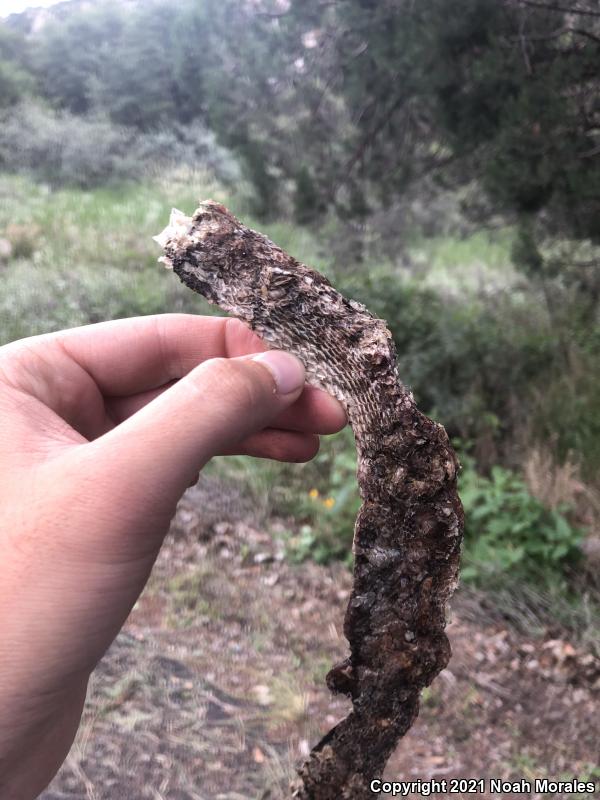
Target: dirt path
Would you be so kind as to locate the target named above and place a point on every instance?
(214, 690)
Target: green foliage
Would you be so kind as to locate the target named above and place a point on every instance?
(566, 413)
(15, 83)
(307, 202)
(328, 509)
(142, 67)
(508, 532)
(89, 255)
(525, 252)
(16, 79)
(71, 53)
(62, 148)
(137, 83)
(65, 149)
(344, 105)
(465, 362)
(494, 368)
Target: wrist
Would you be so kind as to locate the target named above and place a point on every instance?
(35, 738)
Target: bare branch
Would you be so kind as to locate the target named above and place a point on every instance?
(550, 6)
(586, 34)
(557, 35)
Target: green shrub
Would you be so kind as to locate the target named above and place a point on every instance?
(464, 361)
(65, 149)
(493, 369)
(328, 508)
(565, 412)
(82, 257)
(508, 532)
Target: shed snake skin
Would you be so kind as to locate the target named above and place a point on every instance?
(408, 531)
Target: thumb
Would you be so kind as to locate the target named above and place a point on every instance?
(215, 406)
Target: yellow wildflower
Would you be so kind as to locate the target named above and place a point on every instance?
(329, 503)
(313, 494)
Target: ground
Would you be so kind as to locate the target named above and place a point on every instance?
(215, 688)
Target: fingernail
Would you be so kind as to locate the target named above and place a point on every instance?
(287, 370)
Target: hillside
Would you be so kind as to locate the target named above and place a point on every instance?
(34, 19)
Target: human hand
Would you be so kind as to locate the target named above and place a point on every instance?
(101, 430)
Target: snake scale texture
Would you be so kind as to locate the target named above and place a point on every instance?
(408, 531)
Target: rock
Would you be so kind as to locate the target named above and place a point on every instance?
(591, 548)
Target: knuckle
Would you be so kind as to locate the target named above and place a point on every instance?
(234, 381)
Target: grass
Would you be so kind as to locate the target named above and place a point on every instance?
(186, 603)
(479, 262)
(527, 767)
(81, 257)
(92, 258)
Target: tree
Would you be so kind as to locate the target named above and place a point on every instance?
(70, 51)
(16, 78)
(345, 105)
(381, 94)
